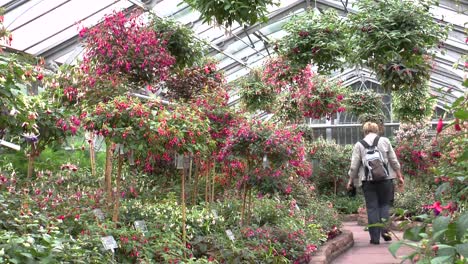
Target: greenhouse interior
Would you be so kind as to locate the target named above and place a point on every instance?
(234, 131)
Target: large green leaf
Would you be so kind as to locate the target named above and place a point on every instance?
(413, 233)
(442, 260)
(440, 224)
(462, 226)
(393, 248)
(462, 249)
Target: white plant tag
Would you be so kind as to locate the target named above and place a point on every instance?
(9, 145)
(99, 214)
(141, 226)
(109, 243)
(230, 235)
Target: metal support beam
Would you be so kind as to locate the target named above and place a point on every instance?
(12, 5)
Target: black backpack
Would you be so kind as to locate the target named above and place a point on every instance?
(375, 168)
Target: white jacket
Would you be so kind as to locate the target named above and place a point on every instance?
(356, 170)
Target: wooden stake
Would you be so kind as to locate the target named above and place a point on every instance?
(31, 157)
(115, 215)
(92, 154)
(184, 235)
(108, 172)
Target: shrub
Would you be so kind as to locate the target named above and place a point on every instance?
(331, 173)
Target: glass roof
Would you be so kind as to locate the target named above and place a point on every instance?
(49, 28)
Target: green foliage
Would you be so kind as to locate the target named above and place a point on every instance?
(394, 38)
(441, 239)
(346, 204)
(181, 42)
(410, 106)
(365, 102)
(331, 173)
(244, 12)
(316, 38)
(414, 197)
(255, 94)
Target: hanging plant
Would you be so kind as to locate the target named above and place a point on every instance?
(277, 73)
(195, 82)
(316, 38)
(364, 102)
(318, 96)
(409, 74)
(378, 118)
(181, 41)
(394, 38)
(122, 49)
(255, 95)
(413, 106)
(244, 12)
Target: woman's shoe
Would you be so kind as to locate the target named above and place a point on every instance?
(375, 242)
(386, 236)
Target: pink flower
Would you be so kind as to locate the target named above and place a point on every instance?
(440, 125)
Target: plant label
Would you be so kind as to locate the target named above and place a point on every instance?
(215, 213)
(109, 243)
(230, 235)
(99, 214)
(180, 162)
(297, 207)
(140, 226)
(9, 145)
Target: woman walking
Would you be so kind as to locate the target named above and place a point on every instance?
(378, 193)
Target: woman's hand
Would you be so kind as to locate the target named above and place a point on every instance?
(349, 186)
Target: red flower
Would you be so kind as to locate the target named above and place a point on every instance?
(61, 217)
(457, 125)
(440, 125)
(40, 76)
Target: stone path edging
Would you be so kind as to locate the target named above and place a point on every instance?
(333, 248)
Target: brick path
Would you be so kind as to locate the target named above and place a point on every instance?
(365, 253)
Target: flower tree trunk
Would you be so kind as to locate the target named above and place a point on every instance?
(31, 159)
(115, 215)
(108, 172)
(92, 154)
(184, 209)
(244, 200)
(213, 176)
(207, 185)
(195, 184)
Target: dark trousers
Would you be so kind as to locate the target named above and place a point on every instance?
(379, 199)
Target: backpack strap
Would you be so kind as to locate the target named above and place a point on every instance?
(376, 141)
(364, 143)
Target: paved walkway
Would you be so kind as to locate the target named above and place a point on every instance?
(365, 253)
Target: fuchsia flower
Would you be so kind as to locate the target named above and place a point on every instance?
(457, 125)
(61, 217)
(440, 125)
(438, 208)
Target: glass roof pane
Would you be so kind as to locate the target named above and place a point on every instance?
(166, 8)
(72, 31)
(56, 21)
(29, 11)
(3, 2)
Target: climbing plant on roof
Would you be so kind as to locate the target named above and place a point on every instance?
(226, 12)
